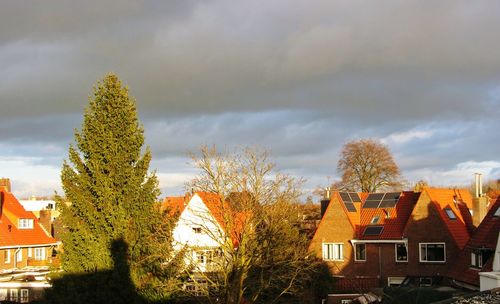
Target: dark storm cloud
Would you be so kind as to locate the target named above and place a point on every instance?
(298, 77)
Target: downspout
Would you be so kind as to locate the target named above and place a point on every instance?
(380, 265)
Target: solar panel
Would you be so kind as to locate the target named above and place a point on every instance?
(373, 230)
(345, 197)
(350, 207)
(371, 204)
(375, 196)
(354, 197)
(390, 200)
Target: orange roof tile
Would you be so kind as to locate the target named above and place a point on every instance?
(459, 201)
(174, 205)
(393, 219)
(485, 236)
(10, 235)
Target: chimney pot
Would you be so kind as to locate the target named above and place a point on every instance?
(5, 184)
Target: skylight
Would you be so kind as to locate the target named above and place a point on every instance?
(450, 214)
(375, 219)
(373, 230)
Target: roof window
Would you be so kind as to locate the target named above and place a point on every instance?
(450, 213)
(375, 219)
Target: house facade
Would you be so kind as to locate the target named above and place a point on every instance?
(26, 249)
(377, 239)
(478, 255)
(199, 229)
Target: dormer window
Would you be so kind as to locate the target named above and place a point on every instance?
(25, 223)
(450, 213)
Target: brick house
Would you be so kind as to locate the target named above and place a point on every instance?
(24, 243)
(26, 251)
(377, 239)
(478, 255)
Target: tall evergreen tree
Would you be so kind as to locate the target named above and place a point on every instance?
(111, 193)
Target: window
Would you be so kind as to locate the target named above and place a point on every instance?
(39, 254)
(19, 255)
(345, 301)
(401, 253)
(375, 219)
(30, 254)
(206, 256)
(450, 213)
(13, 295)
(3, 294)
(476, 259)
(6, 256)
(360, 251)
(497, 213)
(432, 252)
(25, 223)
(333, 251)
(479, 257)
(25, 296)
(196, 229)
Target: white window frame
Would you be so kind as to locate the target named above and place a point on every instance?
(19, 255)
(356, 252)
(435, 243)
(38, 256)
(396, 253)
(337, 251)
(30, 254)
(375, 219)
(26, 223)
(25, 296)
(6, 256)
(476, 256)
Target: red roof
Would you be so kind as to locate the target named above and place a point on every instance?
(485, 237)
(221, 211)
(174, 205)
(459, 201)
(392, 219)
(10, 235)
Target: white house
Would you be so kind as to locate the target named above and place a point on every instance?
(199, 229)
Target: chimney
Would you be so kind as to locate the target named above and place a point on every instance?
(46, 220)
(325, 201)
(5, 184)
(479, 202)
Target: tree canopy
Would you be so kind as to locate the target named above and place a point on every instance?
(367, 165)
(111, 194)
(270, 260)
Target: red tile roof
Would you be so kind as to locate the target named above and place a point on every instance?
(392, 219)
(174, 205)
(459, 201)
(485, 237)
(221, 211)
(10, 235)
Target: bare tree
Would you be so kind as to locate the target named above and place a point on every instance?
(367, 165)
(264, 255)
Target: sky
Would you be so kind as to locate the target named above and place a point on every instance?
(298, 78)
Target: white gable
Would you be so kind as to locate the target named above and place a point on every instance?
(197, 227)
